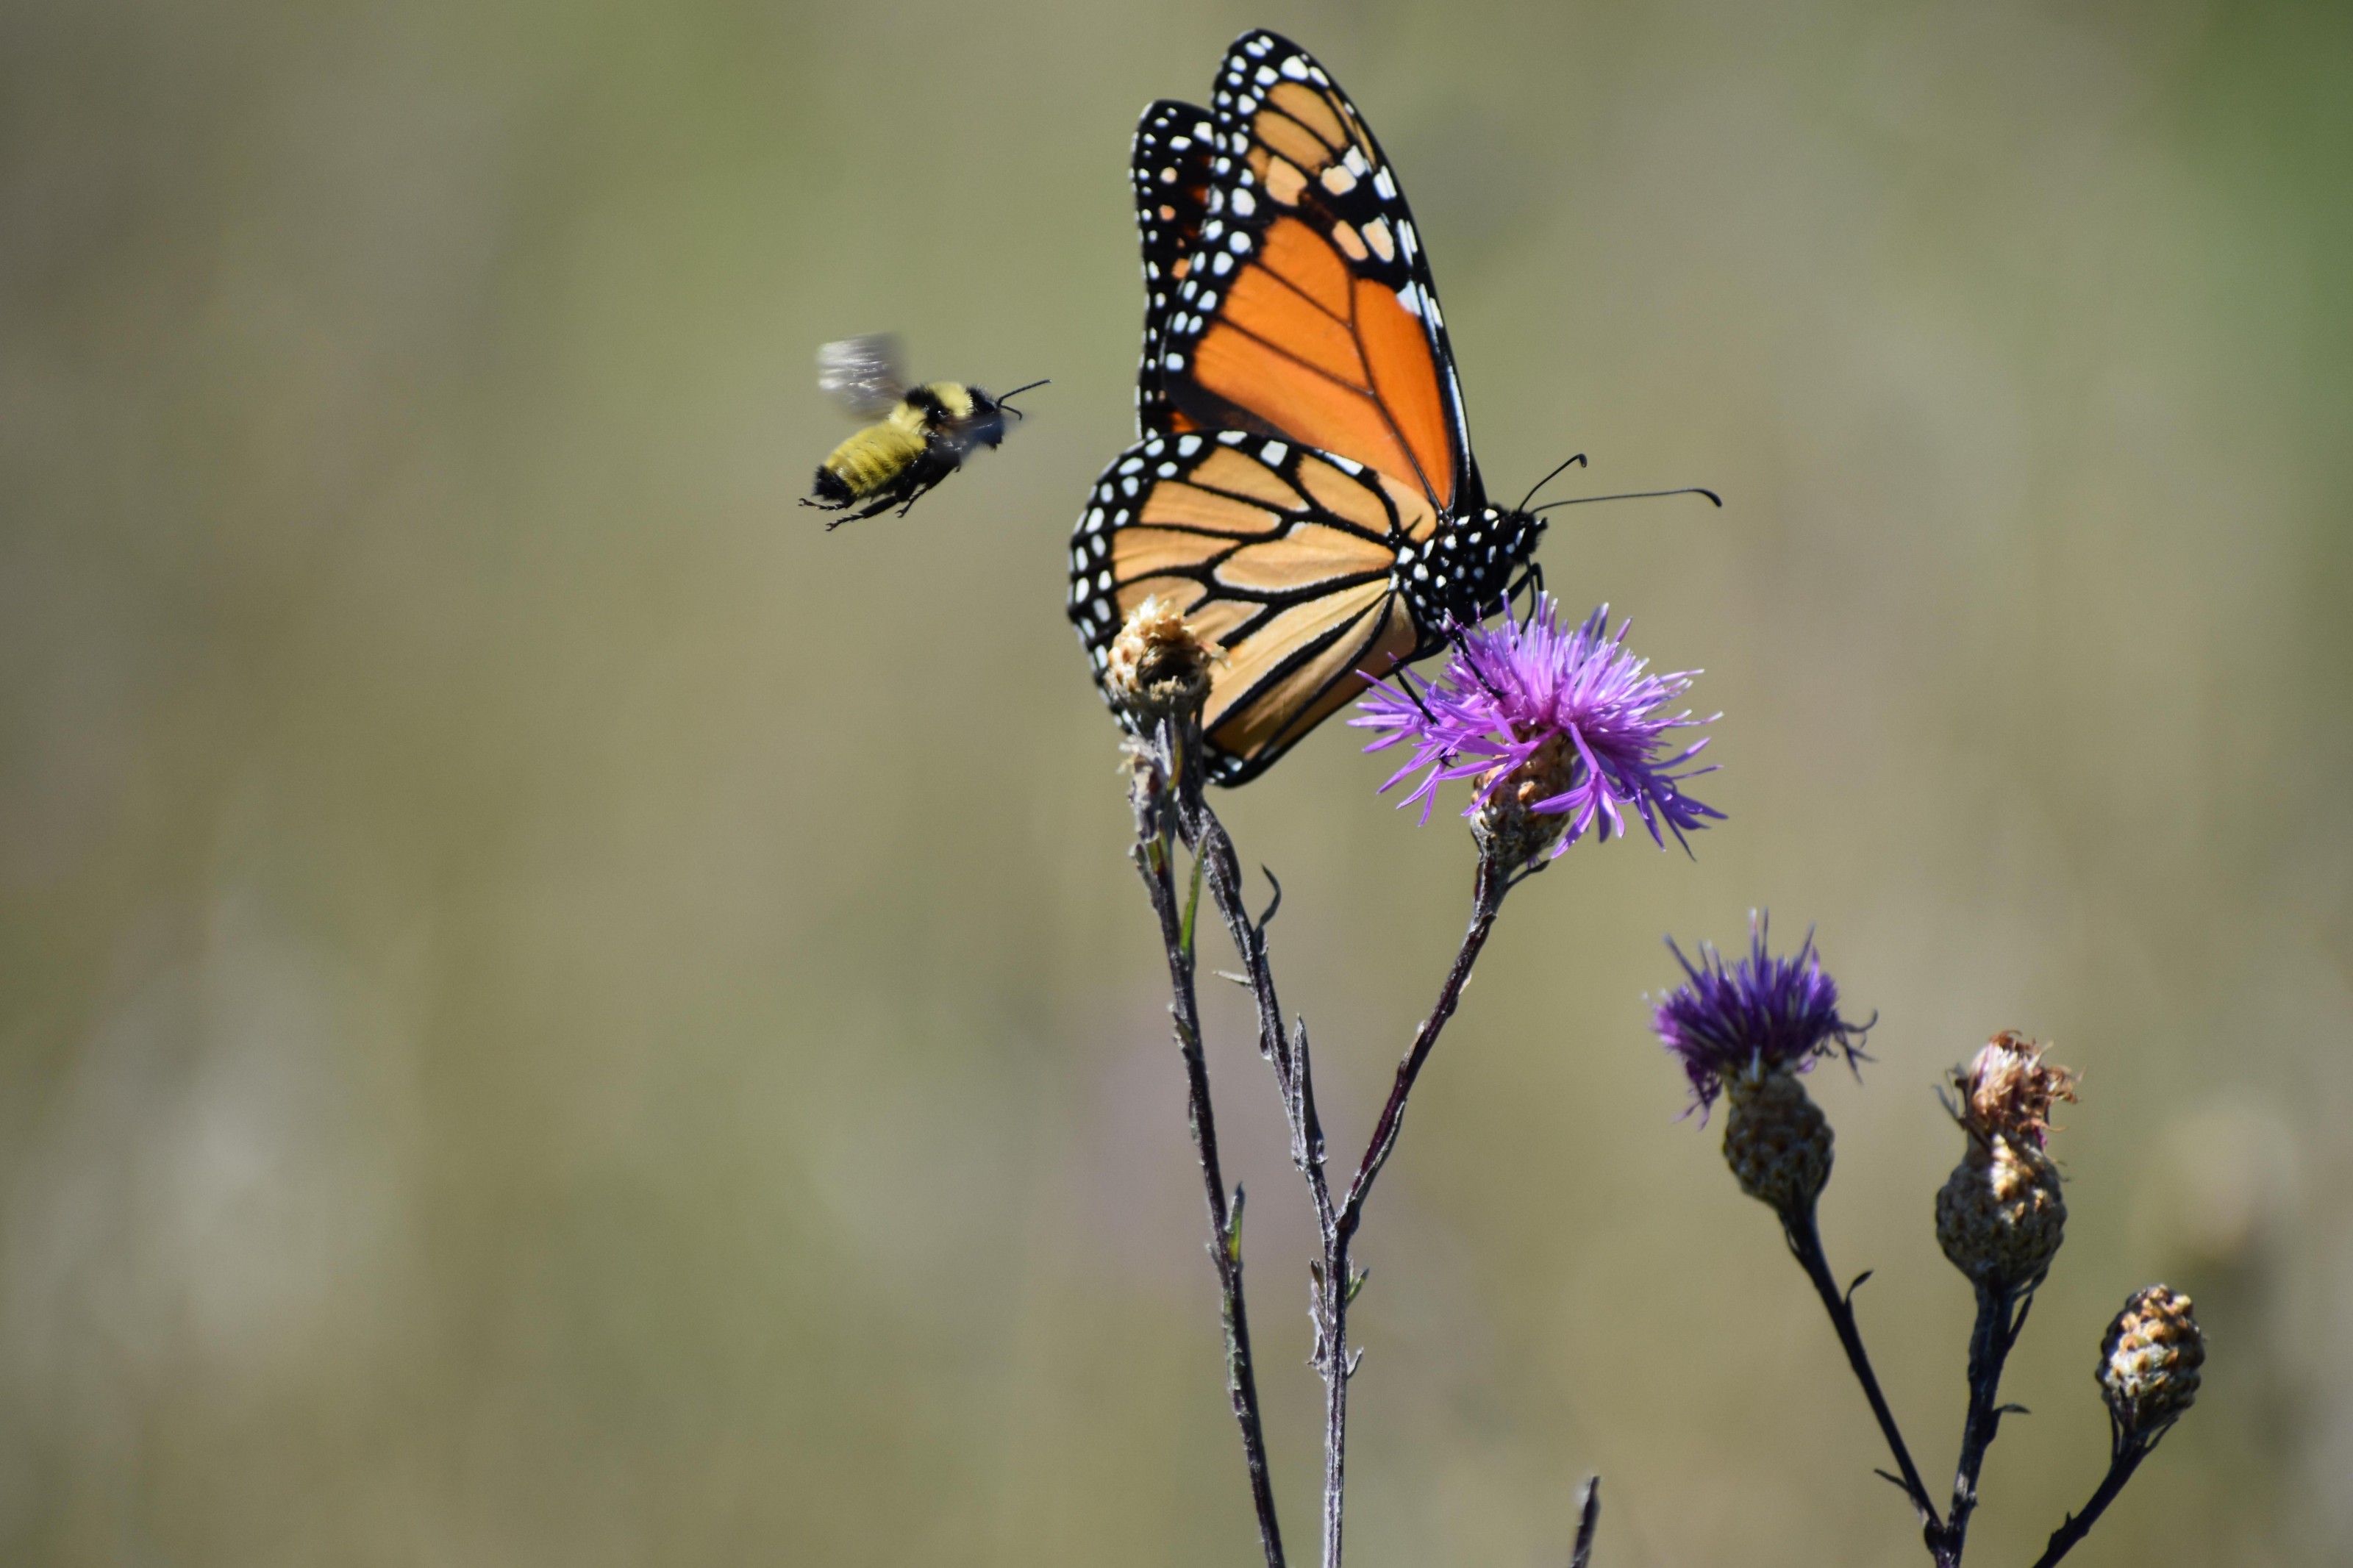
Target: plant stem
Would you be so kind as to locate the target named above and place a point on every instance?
(2124, 1460)
(1805, 1240)
(2001, 1315)
(1333, 1277)
(1487, 890)
(1155, 860)
(1589, 1520)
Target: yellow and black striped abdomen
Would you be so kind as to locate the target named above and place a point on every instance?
(873, 457)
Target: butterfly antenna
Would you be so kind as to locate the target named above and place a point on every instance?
(1005, 402)
(1637, 495)
(1575, 462)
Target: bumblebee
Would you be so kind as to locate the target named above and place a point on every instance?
(922, 436)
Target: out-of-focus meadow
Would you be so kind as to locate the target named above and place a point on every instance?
(553, 1012)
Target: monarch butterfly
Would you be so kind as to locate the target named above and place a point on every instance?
(1304, 490)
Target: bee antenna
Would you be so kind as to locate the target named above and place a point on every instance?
(1636, 495)
(1005, 402)
(1575, 462)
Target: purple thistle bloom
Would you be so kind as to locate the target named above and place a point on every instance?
(1774, 1014)
(1536, 692)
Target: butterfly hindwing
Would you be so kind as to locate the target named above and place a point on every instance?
(1170, 167)
(1280, 556)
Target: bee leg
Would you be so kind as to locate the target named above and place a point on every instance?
(924, 488)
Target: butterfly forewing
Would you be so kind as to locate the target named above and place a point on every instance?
(1308, 310)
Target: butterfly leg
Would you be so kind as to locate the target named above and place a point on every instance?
(1533, 580)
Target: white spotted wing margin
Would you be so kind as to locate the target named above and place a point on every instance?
(1168, 169)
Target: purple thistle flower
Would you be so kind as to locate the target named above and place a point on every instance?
(1773, 1013)
(1566, 709)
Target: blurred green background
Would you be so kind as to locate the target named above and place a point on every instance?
(551, 1011)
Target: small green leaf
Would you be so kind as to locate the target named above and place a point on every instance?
(1192, 906)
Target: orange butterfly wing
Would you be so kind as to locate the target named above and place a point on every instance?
(1282, 557)
(1307, 311)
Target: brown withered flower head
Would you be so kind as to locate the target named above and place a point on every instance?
(2000, 1217)
(2008, 1092)
(1158, 665)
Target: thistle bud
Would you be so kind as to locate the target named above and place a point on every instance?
(1777, 1141)
(1158, 665)
(2000, 1217)
(1505, 824)
(2149, 1364)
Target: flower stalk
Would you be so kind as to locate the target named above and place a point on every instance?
(1154, 858)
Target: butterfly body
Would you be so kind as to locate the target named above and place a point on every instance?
(925, 435)
(1303, 488)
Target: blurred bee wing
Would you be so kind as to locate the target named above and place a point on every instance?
(863, 373)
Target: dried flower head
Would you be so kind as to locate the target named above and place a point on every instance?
(1158, 665)
(2000, 1216)
(1551, 722)
(1758, 1015)
(2148, 1364)
(2007, 1091)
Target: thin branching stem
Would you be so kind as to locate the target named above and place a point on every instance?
(1805, 1239)
(1334, 1278)
(2001, 1315)
(2123, 1460)
(1488, 889)
(1156, 861)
